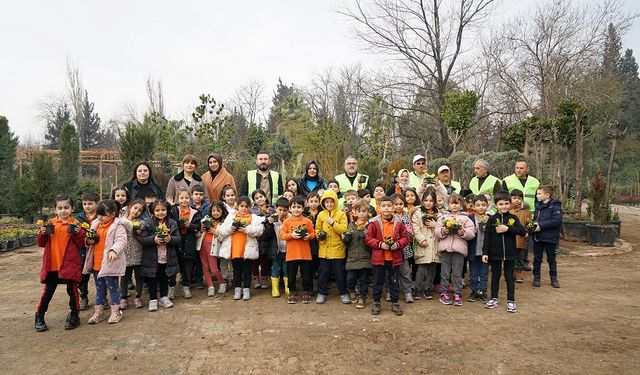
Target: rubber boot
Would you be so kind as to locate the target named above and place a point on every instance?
(98, 314)
(116, 314)
(275, 287)
(286, 285)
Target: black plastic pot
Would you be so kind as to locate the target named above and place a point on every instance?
(3, 246)
(618, 225)
(11, 244)
(27, 241)
(575, 230)
(601, 235)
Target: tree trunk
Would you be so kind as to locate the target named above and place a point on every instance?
(614, 143)
(579, 165)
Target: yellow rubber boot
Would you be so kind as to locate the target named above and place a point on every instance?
(286, 285)
(275, 287)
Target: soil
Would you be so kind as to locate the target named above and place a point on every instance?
(581, 328)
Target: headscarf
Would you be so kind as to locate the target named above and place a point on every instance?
(219, 159)
(306, 173)
(398, 179)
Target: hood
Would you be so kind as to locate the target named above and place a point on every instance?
(551, 203)
(329, 194)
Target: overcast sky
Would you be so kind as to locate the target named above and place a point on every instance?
(194, 47)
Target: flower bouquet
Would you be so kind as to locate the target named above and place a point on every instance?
(91, 234)
(207, 222)
(531, 226)
(137, 230)
(321, 235)
(429, 217)
(71, 227)
(162, 231)
(452, 225)
(482, 223)
(182, 222)
(48, 228)
(238, 223)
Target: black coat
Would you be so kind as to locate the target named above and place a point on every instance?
(502, 246)
(149, 265)
(267, 242)
(134, 189)
(189, 240)
(549, 218)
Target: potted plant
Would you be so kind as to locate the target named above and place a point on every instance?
(614, 219)
(574, 227)
(12, 238)
(4, 238)
(600, 233)
(27, 237)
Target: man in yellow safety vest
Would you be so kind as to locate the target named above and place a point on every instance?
(263, 178)
(522, 181)
(351, 179)
(444, 175)
(483, 181)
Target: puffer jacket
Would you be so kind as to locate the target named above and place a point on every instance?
(374, 239)
(549, 218)
(253, 230)
(149, 264)
(267, 240)
(452, 242)
(429, 253)
(332, 247)
(188, 242)
(71, 267)
(133, 252)
(116, 240)
(358, 254)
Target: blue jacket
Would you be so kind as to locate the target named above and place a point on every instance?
(549, 218)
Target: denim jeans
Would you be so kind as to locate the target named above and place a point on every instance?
(479, 274)
(335, 267)
(279, 265)
(539, 249)
(391, 273)
(103, 284)
(360, 277)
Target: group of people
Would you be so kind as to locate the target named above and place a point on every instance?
(416, 238)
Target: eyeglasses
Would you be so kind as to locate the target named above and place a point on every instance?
(419, 163)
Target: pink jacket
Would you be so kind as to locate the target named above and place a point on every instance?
(117, 241)
(451, 242)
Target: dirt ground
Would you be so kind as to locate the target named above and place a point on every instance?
(581, 328)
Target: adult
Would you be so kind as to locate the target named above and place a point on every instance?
(401, 183)
(522, 181)
(351, 179)
(216, 177)
(263, 178)
(142, 184)
(186, 179)
(311, 182)
(444, 176)
(483, 181)
(419, 170)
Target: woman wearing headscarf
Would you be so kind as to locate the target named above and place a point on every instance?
(216, 177)
(400, 184)
(311, 180)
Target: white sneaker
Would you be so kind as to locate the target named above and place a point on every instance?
(153, 305)
(165, 302)
(511, 306)
(237, 294)
(246, 294)
(186, 292)
(211, 291)
(408, 297)
(223, 288)
(172, 292)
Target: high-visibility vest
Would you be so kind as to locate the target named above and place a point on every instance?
(529, 189)
(455, 185)
(414, 180)
(346, 185)
(487, 185)
(252, 177)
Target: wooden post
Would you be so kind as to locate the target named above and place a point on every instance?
(100, 176)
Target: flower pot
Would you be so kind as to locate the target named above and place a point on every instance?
(618, 225)
(49, 228)
(11, 244)
(575, 230)
(206, 224)
(27, 241)
(322, 236)
(3, 246)
(601, 235)
(348, 237)
(71, 228)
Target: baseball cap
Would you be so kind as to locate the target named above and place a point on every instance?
(443, 168)
(418, 157)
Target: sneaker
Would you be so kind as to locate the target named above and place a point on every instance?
(40, 324)
(387, 297)
(138, 303)
(73, 321)
(408, 297)
(292, 300)
(153, 305)
(306, 299)
(492, 303)
(124, 303)
(172, 292)
(482, 296)
(519, 278)
(165, 302)
(237, 293)
(353, 296)
(211, 291)
(396, 309)
(457, 300)
(222, 289)
(345, 299)
(554, 282)
(84, 303)
(200, 285)
(265, 283)
(320, 298)
(445, 299)
(246, 294)
(360, 304)
(417, 295)
(511, 306)
(536, 282)
(428, 294)
(256, 282)
(473, 297)
(375, 308)
(186, 292)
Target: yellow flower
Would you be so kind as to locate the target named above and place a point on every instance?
(512, 221)
(85, 225)
(40, 223)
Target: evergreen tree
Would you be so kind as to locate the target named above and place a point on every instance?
(254, 139)
(612, 48)
(69, 167)
(8, 146)
(92, 135)
(280, 96)
(44, 181)
(55, 125)
(137, 143)
(630, 101)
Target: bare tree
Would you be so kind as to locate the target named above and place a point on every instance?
(426, 38)
(155, 96)
(75, 92)
(250, 101)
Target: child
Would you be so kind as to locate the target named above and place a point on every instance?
(159, 238)
(228, 196)
(292, 186)
(378, 194)
(426, 254)
(499, 249)
(350, 196)
(198, 199)
(358, 254)
(240, 231)
(404, 275)
(61, 261)
(210, 248)
(548, 221)
(288, 195)
(278, 252)
(386, 235)
(521, 210)
(453, 248)
(477, 268)
(297, 231)
(364, 194)
(311, 212)
(260, 269)
(106, 259)
(120, 194)
(330, 225)
(410, 197)
(149, 198)
(133, 253)
(335, 186)
(188, 220)
(441, 203)
(469, 205)
(88, 215)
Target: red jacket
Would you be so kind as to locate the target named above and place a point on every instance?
(71, 267)
(374, 239)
